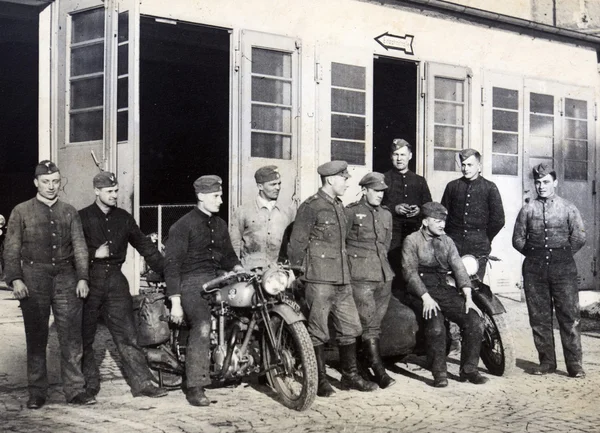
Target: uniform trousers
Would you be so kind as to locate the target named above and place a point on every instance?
(372, 299)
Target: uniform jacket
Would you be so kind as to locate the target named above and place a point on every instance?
(368, 241)
(475, 214)
(318, 240)
(257, 232)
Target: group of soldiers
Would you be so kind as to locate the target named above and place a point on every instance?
(395, 239)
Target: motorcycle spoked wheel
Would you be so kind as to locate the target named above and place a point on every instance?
(497, 349)
(296, 380)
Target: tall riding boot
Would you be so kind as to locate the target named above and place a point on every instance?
(324, 388)
(350, 377)
(371, 347)
(362, 357)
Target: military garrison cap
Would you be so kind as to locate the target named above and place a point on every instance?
(207, 184)
(45, 167)
(435, 210)
(467, 153)
(542, 170)
(105, 179)
(333, 168)
(267, 174)
(399, 143)
(374, 181)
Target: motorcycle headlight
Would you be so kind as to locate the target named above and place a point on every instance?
(471, 264)
(275, 281)
(2, 221)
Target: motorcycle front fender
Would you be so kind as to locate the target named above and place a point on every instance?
(484, 298)
(287, 313)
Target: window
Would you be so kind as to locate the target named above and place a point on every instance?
(86, 76)
(541, 129)
(505, 131)
(576, 140)
(348, 113)
(123, 77)
(271, 104)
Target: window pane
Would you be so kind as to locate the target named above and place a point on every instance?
(86, 126)
(504, 164)
(272, 146)
(122, 120)
(269, 62)
(87, 93)
(576, 108)
(541, 125)
(449, 90)
(87, 60)
(348, 76)
(447, 136)
(351, 152)
(541, 103)
(123, 62)
(576, 170)
(449, 114)
(123, 93)
(576, 150)
(347, 101)
(505, 98)
(349, 127)
(123, 26)
(506, 121)
(576, 129)
(271, 90)
(541, 146)
(445, 160)
(87, 25)
(505, 143)
(271, 118)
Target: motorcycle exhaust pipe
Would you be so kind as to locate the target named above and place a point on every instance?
(162, 357)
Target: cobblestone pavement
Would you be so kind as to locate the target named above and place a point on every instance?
(518, 403)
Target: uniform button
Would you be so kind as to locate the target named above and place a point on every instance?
(212, 241)
(109, 230)
(53, 247)
(468, 195)
(421, 275)
(322, 256)
(465, 231)
(547, 257)
(466, 213)
(53, 234)
(51, 222)
(467, 204)
(545, 230)
(546, 246)
(546, 238)
(550, 250)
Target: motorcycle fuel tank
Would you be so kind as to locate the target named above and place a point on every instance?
(238, 294)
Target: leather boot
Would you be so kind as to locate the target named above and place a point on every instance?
(324, 388)
(350, 377)
(362, 359)
(371, 347)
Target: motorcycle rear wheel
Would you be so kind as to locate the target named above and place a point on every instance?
(296, 380)
(169, 380)
(497, 349)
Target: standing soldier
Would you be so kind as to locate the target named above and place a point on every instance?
(47, 265)
(259, 226)
(548, 231)
(475, 211)
(318, 244)
(367, 245)
(108, 230)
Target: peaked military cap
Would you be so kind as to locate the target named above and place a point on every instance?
(334, 168)
(467, 153)
(435, 210)
(542, 170)
(267, 174)
(105, 179)
(207, 184)
(45, 167)
(374, 181)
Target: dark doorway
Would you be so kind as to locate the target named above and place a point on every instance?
(184, 110)
(394, 109)
(19, 77)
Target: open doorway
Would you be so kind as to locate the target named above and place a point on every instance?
(184, 114)
(394, 109)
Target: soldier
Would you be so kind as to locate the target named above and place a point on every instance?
(367, 245)
(427, 257)
(548, 231)
(108, 230)
(198, 248)
(475, 211)
(317, 244)
(258, 227)
(47, 265)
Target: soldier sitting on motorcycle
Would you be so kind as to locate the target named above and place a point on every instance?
(198, 248)
(427, 257)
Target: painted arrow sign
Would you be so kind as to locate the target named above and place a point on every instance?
(395, 42)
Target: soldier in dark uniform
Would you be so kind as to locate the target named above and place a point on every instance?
(407, 192)
(427, 257)
(548, 231)
(108, 231)
(318, 245)
(367, 245)
(475, 211)
(198, 249)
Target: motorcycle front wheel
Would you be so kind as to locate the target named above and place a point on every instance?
(497, 349)
(295, 378)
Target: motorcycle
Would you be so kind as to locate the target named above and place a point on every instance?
(256, 329)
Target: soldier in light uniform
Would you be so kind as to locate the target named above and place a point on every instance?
(318, 245)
